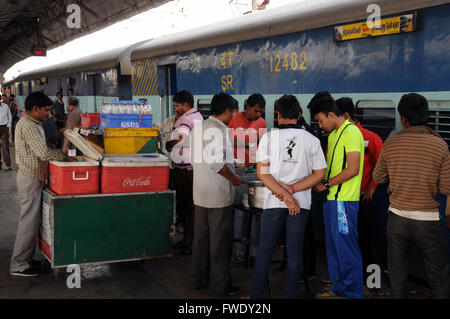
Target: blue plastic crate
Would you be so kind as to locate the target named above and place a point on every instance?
(126, 121)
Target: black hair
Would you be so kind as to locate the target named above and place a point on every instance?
(323, 102)
(59, 92)
(345, 104)
(235, 104)
(220, 103)
(414, 107)
(12, 95)
(73, 101)
(4, 95)
(70, 89)
(254, 99)
(184, 97)
(289, 107)
(38, 99)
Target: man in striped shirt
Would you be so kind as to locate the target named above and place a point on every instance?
(32, 156)
(416, 162)
(214, 180)
(179, 147)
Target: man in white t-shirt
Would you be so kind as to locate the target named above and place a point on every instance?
(290, 162)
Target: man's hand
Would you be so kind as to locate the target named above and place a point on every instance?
(170, 145)
(320, 188)
(292, 204)
(279, 196)
(230, 176)
(288, 188)
(368, 194)
(237, 181)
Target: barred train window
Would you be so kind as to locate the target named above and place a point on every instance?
(439, 119)
(204, 107)
(377, 116)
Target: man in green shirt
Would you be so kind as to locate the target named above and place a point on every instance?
(345, 159)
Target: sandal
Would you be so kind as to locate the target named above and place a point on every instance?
(328, 294)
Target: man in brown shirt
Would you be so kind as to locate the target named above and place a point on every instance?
(73, 119)
(416, 162)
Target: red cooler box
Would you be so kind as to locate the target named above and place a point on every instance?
(140, 173)
(77, 178)
(88, 120)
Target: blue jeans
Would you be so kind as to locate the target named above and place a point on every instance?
(272, 222)
(241, 231)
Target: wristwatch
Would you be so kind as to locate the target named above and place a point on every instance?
(325, 183)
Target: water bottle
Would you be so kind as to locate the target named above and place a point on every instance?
(106, 107)
(115, 108)
(136, 108)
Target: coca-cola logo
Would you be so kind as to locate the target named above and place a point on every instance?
(141, 181)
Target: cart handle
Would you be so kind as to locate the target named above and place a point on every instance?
(81, 178)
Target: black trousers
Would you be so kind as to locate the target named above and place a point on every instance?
(428, 237)
(183, 180)
(365, 234)
(212, 247)
(4, 136)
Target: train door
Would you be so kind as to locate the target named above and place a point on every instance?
(167, 84)
(93, 91)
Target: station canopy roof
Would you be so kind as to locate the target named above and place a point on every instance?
(25, 24)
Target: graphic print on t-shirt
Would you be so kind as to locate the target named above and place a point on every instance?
(291, 144)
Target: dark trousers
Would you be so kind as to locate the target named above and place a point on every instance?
(428, 236)
(183, 180)
(365, 226)
(4, 136)
(212, 247)
(272, 222)
(309, 248)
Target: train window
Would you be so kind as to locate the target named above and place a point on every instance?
(377, 116)
(72, 82)
(204, 107)
(439, 118)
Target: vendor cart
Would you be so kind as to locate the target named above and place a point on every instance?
(106, 228)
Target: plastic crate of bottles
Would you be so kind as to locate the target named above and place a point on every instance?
(126, 114)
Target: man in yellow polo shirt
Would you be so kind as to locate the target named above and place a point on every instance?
(345, 160)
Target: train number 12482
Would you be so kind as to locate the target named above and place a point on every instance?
(294, 61)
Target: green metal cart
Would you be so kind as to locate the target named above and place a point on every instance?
(106, 228)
